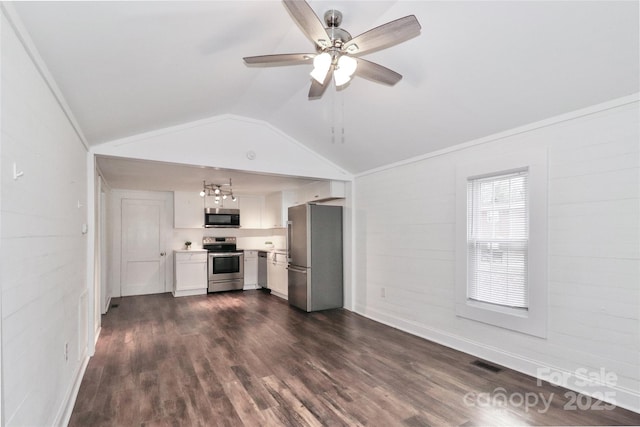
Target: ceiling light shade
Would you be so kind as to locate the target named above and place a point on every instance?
(202, 193)
(321, 64)
(347, 64)
(346, 67)
(341, 78)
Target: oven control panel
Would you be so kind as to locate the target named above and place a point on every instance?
(210, 240)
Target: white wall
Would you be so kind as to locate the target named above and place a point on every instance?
(406, 244)
(225, 141)
(43, 250)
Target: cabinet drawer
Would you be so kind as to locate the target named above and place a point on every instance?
(191, 257)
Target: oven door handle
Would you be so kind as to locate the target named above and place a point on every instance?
(225, 254)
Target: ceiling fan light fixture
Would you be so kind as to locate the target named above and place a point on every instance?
(321, 65)
(346, 67)
(333, 43)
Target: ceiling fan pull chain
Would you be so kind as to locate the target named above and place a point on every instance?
(342, 112)
(333, 117)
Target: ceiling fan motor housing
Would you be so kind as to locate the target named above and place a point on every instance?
(333, 18)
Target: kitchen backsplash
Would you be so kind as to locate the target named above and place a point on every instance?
(247, 239)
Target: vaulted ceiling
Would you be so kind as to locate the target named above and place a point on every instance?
(477, 68)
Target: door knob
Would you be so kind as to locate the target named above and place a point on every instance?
(163, 253)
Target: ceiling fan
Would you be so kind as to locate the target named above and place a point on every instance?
(337, 53)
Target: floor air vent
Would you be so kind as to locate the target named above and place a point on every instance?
(114, 305)
(487, 366)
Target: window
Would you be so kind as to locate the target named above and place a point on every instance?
(497, 238)
(501, 240)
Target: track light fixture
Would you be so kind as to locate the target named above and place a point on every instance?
(217, 191)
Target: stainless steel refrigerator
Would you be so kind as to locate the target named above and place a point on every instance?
(314, 244)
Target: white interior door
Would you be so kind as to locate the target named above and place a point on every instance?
(104, 250)
(143, 254)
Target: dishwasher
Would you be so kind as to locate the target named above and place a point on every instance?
(262, 270)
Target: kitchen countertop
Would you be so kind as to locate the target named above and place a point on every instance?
(190, 250)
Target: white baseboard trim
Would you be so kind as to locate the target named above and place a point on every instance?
(97, 335)
(66, 409)
(279, 295)
(106, 307)
(575, 381)
(190, 292)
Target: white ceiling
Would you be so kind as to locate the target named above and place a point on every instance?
(478, 68)
(131, 174)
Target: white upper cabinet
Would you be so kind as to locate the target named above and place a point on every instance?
(319, 191)
(257, 212)
(251, 208)
(276, 205)
(188, 209)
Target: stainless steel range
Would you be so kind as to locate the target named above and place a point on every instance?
(225, 264)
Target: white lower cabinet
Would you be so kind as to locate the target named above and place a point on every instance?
(250, 269)
(190, 270)
(277, 275)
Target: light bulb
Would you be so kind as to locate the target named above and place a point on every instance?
(217, 190)
(224, 197)
(202, 193)
(321, 64)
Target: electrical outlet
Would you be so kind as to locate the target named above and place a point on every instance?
(382, 292)
(66, 352)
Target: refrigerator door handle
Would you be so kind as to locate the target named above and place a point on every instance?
(297, 269)
(289, 239)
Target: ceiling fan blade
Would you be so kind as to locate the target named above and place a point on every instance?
(280, 59)
(317, 89)
(376, 72)
(385, 35)
(308, 21)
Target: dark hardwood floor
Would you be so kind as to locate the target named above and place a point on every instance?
(247, 358)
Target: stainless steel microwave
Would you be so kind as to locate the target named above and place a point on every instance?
(221, 218)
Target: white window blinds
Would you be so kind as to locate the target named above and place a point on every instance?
(497, 238)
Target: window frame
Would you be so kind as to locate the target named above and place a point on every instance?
(533, 320)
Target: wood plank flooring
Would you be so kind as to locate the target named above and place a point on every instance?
(247, 358)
